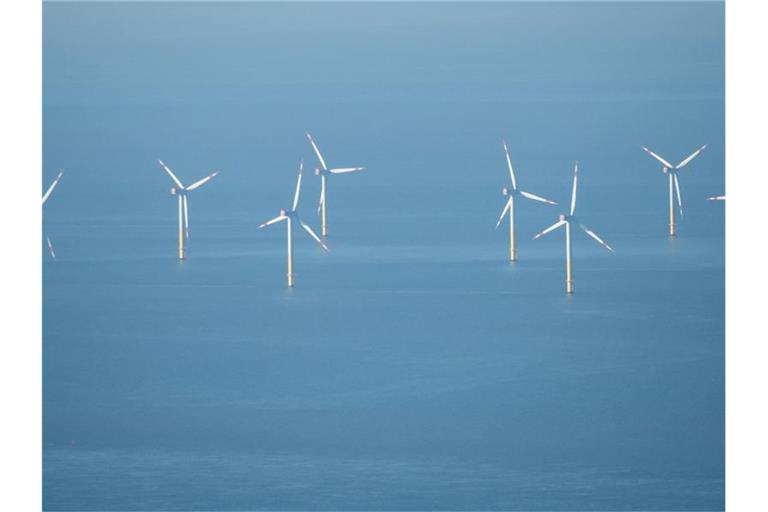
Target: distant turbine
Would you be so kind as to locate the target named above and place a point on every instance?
(674, 182)
(50, 247)
(716, 198)
(324, 172)
(45, 199)
(182, 191)
(566, 220)
(291, 216)
(513, 191)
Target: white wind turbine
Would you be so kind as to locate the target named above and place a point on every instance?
(566, 220)
(674, 182)
(324, 172)
(45, 199)
(182, 191)
(512, 191)
(290, 216)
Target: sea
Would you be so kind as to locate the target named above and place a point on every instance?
(412, 366)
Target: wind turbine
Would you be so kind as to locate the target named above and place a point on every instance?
(181, 191)
(674, 182)
(324, 172)
(45, 199)
(290, 216)
(512, 191)
(566, 220)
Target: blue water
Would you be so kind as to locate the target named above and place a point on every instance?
(412, 367)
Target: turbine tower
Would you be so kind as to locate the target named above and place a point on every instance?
(45, 199)
(291, 216)
(566, 220)
(324, 172)
(674, 183)
(512, 191)
(182, 192)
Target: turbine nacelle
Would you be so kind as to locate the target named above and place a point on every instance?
(565, 216)
(174, 191)
(508, 191)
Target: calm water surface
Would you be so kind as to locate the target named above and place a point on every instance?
(412, 367)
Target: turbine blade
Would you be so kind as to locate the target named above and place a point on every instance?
(716, 198)
(594, 235)
(550, 228)
(536, 198)
(181, 212)
(313, 235)
(343, 170)
(53, 185)
(50, 247)
(575, 184)
(679, 198)
(298, 187)
(322, 200)
(509, 165)
(202, 181)
(317, 151)
(657, 157)
(504, 212)
(273, 221)
(691, 157)
(170, 173)
(186, 215)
